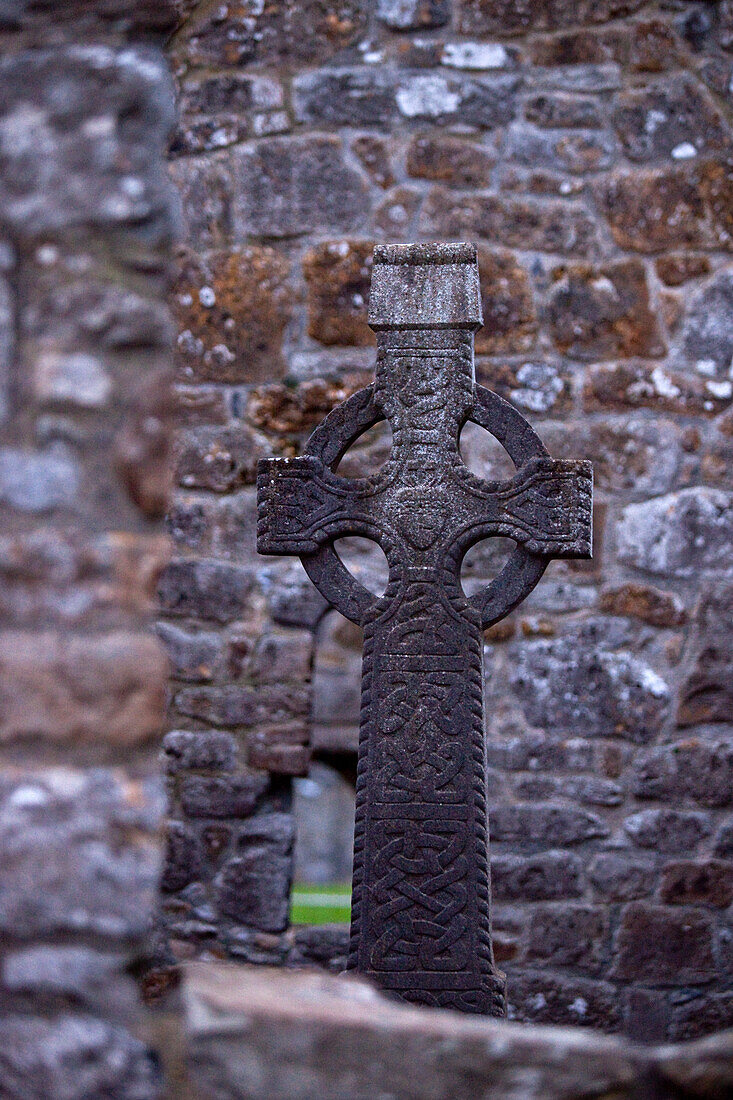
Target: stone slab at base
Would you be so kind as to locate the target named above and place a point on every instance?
(265, 1034)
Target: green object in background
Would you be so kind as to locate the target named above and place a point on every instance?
(321, 904)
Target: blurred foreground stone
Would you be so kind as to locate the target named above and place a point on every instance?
(257, 1034)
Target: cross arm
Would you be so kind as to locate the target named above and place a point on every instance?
(301, 506)
(546, 507)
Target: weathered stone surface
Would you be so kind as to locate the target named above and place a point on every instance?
(665, 120)
(632, 454)
(219, 110)
(574, 151)
(345, 97)
(510, 18)
(547, 876)
(374, 154)
(707, 692)
(530, 823)
(285, 409)
(540, 387)
(311, 32)
(338, 275)
(621, 875)
(222, 796)
(700, 770)
(568, 935)
(209, 750)
(182, 859)
(38, 481)
(547, 227)
(675, 208)
(562, 686)
(664, 946)
(74, 1057)
(707, 337)
(701, 882)
(679, 267)
(219, 459)
(484, 102)
(231, 309)
(73, 977)
(642, 601)
(206, 190)
(635, 385)
(678, 535)
(558, 111)
(598, 313)
(541, 998)
(233, 705)
(290, 186)
(450, 160)
(668, 830)
(413, 15)
(82, 689)
(254, 887)
(78, 854)
(508, 309)
(58, 174)
(206, 589)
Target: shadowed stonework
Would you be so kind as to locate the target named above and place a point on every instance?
(421, 923)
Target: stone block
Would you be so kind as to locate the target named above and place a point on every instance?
(231, 308)
(643, 601)
(374, 154)
(206, 191)
(79, 854)
(678, 535)
(542, 387)
(182, 859)
(697, 882)
(290, 186)
(705, 1014)
(544, 998)
(632, 454)
(284, 409)
(205, 589)
(626, 386)
(547, 824)
(310, 33)
(510, 321)
(664, 946)
(74, 1056)
(575, 151)
(568, 935)
(706, 332)
(668, 830)
(707, 692)
(679, 267)
(219, 459)
(39, 481)
(194, 750)
(193, 655)
(254, 888)
(72, 977)
(668, 120)
(338, 275)
(413, 15)
(547, 876)
(553, 110)
(515, 223)
(621, 875)
(222, 796)
(509, 17)
(61, 170)
(283, 656)
(695, 769)
(562, 686)
(604, 312)
(360, 97)
(686, 207)
(232, 705)
(450, 160)
(106, 689)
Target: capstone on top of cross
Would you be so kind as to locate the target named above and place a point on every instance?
(425, 286)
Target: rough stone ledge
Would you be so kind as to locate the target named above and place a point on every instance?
(265, 1034)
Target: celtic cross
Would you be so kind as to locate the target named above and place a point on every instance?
(421, 921)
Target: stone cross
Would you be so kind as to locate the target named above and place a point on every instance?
(421, 921)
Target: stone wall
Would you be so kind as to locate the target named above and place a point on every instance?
(586, 147)
(86, 221)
